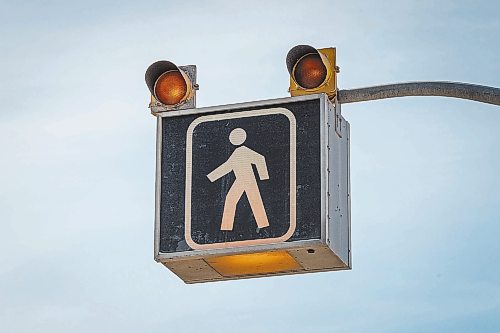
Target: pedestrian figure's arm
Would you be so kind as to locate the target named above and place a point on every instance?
(220, 171)
(260, 163)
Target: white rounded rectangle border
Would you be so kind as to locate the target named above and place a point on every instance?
(189, 169)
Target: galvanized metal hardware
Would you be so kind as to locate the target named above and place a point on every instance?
(474, 92)
(335, 108)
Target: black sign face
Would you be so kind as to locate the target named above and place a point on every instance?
(240, 187)
(241, 177)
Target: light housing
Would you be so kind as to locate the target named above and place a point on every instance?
(312, 70)
(171, 87)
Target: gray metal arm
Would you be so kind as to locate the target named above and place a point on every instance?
(473, 92)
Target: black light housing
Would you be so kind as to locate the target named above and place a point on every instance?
(169, 84)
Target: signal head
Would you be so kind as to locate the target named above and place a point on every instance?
(171, 86)
(311, 70)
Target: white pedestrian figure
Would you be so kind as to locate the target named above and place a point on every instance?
(240, 162)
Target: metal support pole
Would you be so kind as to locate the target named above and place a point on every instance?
(472, 92)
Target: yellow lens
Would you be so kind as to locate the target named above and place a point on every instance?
(254, 263)
(310, 72)
(171, 88)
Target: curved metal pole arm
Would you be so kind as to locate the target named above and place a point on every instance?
(472, 92)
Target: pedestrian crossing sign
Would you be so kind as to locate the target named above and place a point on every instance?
(240, 187)
(252, 189)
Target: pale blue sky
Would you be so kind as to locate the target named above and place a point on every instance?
(77, 166)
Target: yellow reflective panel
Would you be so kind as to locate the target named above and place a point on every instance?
(254, 263)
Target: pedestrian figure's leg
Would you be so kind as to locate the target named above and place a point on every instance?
(257, 205)
(233, 196)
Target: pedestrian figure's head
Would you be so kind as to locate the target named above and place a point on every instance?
(237, 136)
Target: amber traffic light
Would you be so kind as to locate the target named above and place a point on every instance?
(169, 85)
(312, 70)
